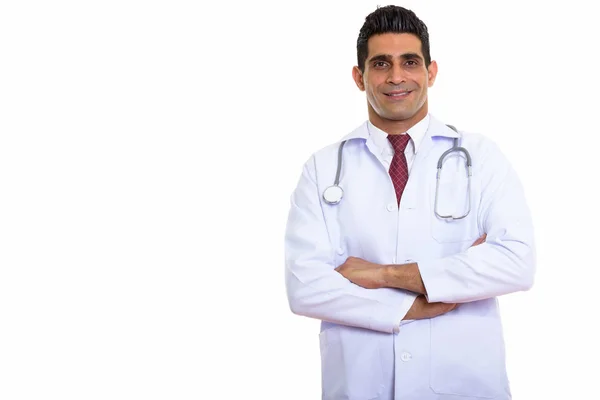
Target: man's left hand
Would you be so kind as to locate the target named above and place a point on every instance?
(363, 273)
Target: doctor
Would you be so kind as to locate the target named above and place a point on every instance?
(407, 299)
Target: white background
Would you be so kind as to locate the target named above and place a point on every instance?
(148, 151)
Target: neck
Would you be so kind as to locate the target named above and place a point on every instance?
(396, 127)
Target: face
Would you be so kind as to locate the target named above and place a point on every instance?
(395, 78)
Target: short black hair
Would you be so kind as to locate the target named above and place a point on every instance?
(391, 19)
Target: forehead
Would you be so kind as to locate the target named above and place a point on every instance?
(394, 44)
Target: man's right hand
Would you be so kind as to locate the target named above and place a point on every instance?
(421, 309)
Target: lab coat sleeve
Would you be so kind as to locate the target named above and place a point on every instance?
(314, 288)
(506, 261)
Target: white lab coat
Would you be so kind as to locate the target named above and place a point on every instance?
(367, 352)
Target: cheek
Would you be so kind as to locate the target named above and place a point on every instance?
(374, 88)
(372, 93)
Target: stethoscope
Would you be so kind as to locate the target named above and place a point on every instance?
(333, 194)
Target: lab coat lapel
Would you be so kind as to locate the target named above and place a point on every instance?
(423, 169)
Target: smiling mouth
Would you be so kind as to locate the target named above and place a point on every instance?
(398, 95)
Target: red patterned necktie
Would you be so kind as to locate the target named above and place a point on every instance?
(399, 167)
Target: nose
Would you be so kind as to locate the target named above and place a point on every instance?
(396, 75)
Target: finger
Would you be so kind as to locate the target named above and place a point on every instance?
(480, 240)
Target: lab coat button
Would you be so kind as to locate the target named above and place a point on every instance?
(406, 356)
(391, 207)
(340, 251)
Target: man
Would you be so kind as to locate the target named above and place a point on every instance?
(407, 298)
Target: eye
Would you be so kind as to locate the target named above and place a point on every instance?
(411, 63)
(379, 64)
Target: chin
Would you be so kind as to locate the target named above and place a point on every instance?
(398, 116)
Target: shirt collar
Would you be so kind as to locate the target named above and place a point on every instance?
(417, 132)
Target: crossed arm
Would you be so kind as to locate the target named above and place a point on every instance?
(404, 276)
(504, 264)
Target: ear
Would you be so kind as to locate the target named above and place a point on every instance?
(432, 73)
(358, 78)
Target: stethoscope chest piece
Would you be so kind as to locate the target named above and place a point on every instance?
(333, 194)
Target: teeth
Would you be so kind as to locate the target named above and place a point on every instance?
(398, 94)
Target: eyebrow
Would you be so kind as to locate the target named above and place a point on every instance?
(388, 57)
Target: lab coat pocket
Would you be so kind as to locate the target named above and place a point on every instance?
(350, 364)
(453, 200)
(467, 357)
